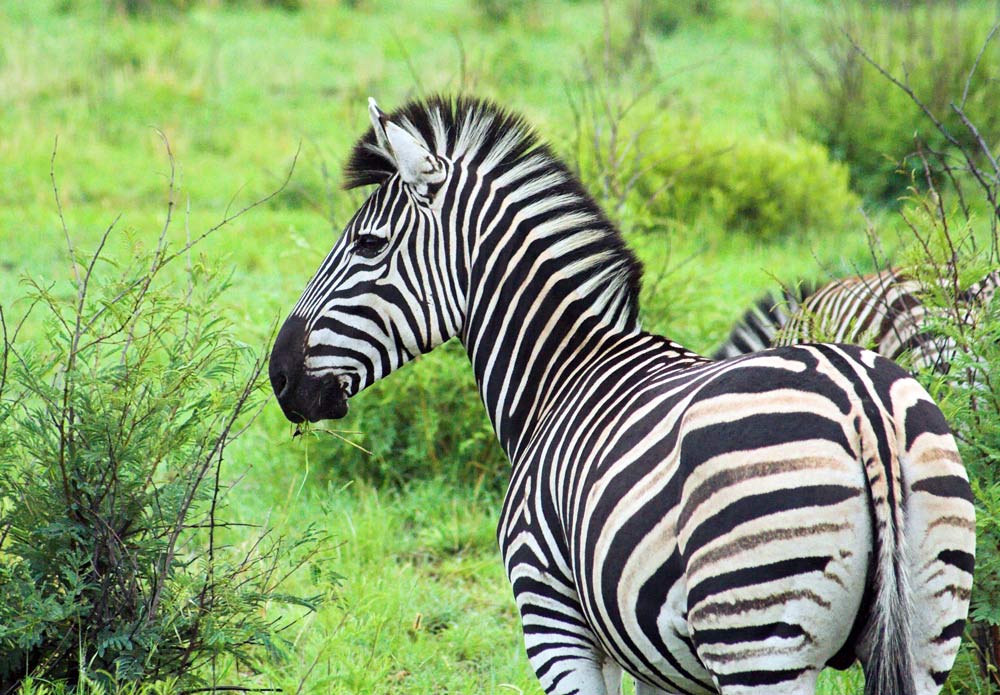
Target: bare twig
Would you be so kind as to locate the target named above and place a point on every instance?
(65, 419)
(975, 65)
(3, 363)
(236, 215)
(227, 218)
(984, 148)
(161, 243)
(59, 209)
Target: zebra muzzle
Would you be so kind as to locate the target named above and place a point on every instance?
(301, 395)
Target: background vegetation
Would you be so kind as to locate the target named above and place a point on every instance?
(739, 143)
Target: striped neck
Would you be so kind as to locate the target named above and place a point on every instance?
(547, 279)
(552, 288)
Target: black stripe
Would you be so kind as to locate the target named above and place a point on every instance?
(555, 681)
(755, 678)
(755, 506)
(755, 431)
(957, 558)
(759, 330)
(752, 633)
(945, 486)
(951, 631)
(760, 574)
(742, 344)
(922, 417)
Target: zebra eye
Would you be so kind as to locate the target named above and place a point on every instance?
(369, 245)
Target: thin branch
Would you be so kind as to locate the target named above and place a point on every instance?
(161, 243)
(62, 218)
(975, 65)
(198, 239)
(983, 147)
(232, 199)
(64, 422)
(230, 218)
(3, 364)
(904, 85)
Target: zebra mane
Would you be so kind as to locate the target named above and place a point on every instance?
(488, 137)
(449, 127)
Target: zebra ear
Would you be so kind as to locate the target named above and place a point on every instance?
(416, 166)
(378, 120)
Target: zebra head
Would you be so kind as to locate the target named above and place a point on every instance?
(475, 229)
(383, 294)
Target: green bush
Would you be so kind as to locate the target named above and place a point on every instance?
(666, 16)
(117, 563)
(946, 257)
(835, 97)
(649, 164)
(499, 11)
(765, 187)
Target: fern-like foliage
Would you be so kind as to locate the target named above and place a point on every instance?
(114, 421)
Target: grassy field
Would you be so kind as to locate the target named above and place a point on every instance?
(416, 600)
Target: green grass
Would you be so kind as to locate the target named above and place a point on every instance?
(416, 599)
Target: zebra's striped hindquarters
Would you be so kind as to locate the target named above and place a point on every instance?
(779, 550)
(774, 537)
(749, 523)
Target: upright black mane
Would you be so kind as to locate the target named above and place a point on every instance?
(472, 129)
(369, 164)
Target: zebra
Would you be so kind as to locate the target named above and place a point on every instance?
(757, 328)
(706, 527)
(885, 310)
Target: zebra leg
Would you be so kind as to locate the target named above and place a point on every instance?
(562, 649)
(572, 671)
(612, 673)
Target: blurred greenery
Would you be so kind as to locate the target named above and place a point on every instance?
(725, 202)
(937, 49)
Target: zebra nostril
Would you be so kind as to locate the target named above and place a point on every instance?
(280, 385)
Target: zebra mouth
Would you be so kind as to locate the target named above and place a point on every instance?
(312, 398)
(332, 403)
(329, 403)
(302, 393)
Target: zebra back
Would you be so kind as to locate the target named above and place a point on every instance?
(756, 329)
(884, 311)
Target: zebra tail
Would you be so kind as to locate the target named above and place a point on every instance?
(889, 667)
